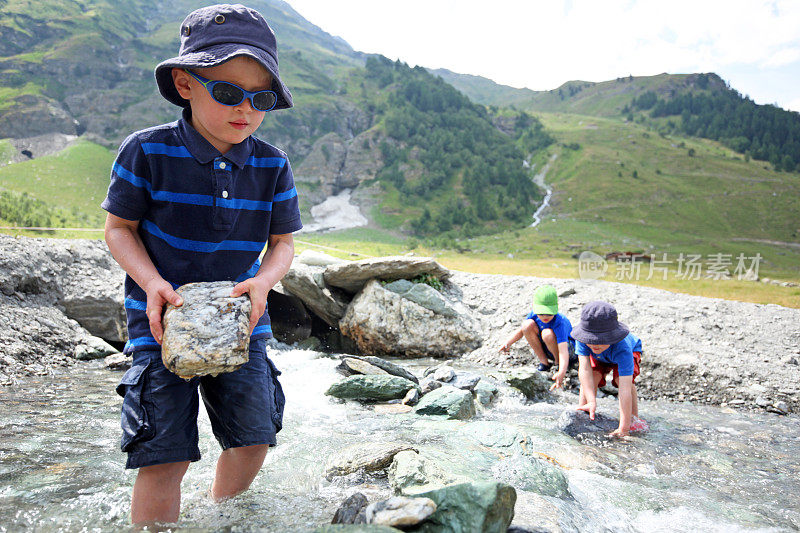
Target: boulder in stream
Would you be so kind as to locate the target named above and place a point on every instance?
(351, 511)
(448, 401)
(486, 507)
(371, 388)
(530, 382)
(368, 457)
(574, 423)
(383, 322)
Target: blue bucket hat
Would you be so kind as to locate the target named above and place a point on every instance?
(213, 35)
(599, 325)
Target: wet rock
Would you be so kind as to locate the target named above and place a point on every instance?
(448, 401)
(352, 276)
(371, 387)
(348, 512)
(485, 392)
(388, 367)
(93, 348)
(382, 322)
(350, 366)
(465, 380)
(208, 334)
(307, 284)
(400, 511)
(412, 397)
(574, 423)
(486, 507)
(429, 384)
(444, 374)
(413, 473)
(367, 457)
(118, 361)
(532, 383)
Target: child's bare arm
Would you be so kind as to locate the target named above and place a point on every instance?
(276, 263)
(517, 335)
(563, 365)
(587, 386)
(128, 250)
(625, 406)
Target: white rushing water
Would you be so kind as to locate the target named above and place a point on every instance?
(539, 180)
(335, 213)
(698, 469)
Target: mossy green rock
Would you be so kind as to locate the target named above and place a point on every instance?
(486, 507)
(372, 387)
(532, 383)
(448, 401)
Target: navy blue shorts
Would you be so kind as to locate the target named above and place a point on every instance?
(159, 410)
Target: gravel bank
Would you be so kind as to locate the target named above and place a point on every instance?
(705, 350)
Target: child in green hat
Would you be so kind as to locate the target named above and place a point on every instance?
(548, 333)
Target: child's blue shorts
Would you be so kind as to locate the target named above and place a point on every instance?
(159, 410)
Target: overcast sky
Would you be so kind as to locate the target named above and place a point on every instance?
(540, 44)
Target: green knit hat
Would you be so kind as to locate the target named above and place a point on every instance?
(545, 300)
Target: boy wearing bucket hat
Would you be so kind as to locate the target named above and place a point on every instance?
(198, 200)
(548, 333)
(604, 345)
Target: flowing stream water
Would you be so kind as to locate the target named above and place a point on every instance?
(697, 469)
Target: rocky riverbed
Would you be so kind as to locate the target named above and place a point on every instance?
(53, 293)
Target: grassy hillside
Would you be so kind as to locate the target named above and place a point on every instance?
(73, 182)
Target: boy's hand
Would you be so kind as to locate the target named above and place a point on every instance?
(505, 348)
(257, 289)
(159, 292)
(559, 379)
(589, 407)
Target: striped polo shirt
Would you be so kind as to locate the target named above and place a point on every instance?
(203, 216)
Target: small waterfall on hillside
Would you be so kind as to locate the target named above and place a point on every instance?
(538, 179)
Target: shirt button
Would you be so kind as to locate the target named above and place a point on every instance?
(224, 193)
(222, 165)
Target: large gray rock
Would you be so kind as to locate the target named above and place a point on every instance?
(307, 283)
(367, 457)
(575, 423)
(486, 507)
(354, 275)
(413, 473)
(351, 511)
(384, 323)
(448, 401)
(530, 382)
(209, 333)
(78, 275)
(371, 388)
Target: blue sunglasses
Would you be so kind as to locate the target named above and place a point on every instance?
(227, 93)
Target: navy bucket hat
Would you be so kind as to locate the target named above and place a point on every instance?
(599, 325)
(213, 35)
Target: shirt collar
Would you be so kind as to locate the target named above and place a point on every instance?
(204, 151)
